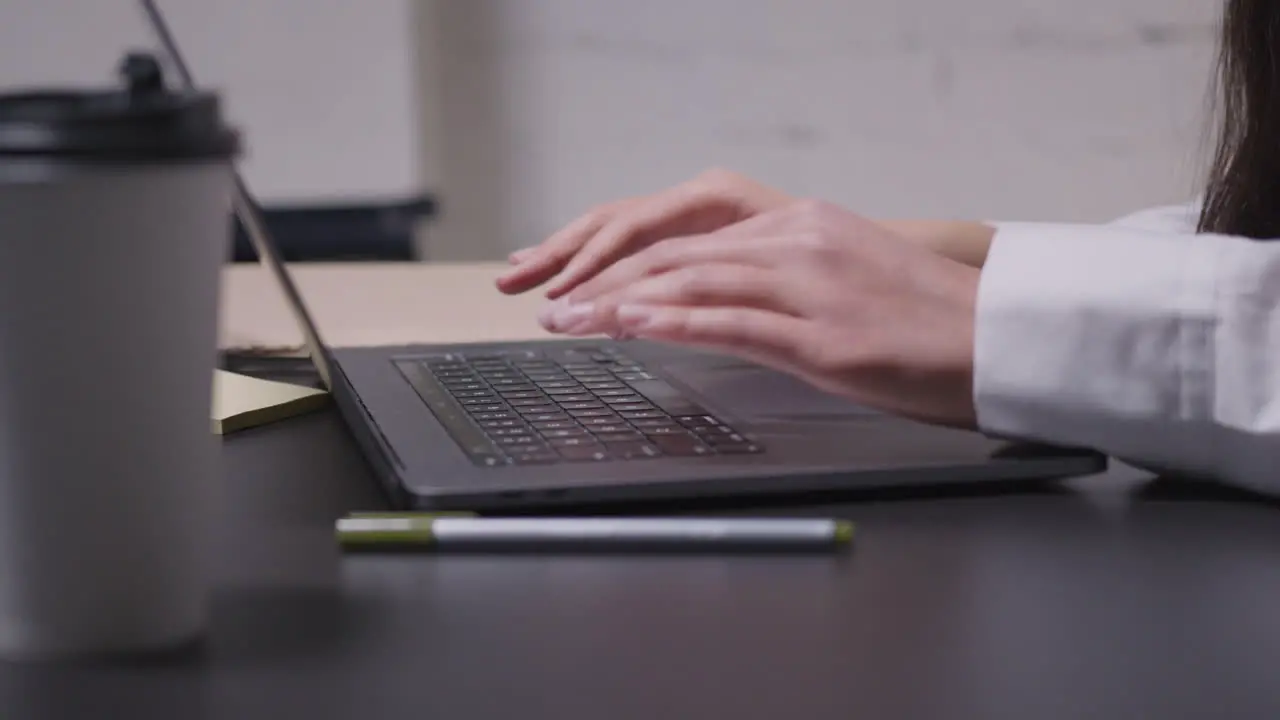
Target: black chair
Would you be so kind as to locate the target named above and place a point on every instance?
(363, 232)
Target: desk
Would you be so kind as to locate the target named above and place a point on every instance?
(1107, 597)
(377, 304)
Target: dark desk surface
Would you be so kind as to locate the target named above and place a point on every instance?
(1102, 600)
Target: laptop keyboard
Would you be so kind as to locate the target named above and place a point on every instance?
(566, 405)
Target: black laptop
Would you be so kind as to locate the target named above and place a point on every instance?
(516, 425)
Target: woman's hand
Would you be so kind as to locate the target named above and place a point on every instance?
(604, 235)
(809, 289)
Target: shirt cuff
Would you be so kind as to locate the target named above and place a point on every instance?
(1100, 337)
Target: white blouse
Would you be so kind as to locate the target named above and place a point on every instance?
(1138, 338)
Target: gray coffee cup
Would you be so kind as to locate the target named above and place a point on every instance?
(115, 219)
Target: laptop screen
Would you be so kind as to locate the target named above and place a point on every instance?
(247, 211)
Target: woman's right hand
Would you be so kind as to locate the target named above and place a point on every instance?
(711, 201)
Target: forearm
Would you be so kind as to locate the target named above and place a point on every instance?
(962, 240)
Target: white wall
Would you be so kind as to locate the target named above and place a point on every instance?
(522, 113)
(325, 90)
(1012, 109)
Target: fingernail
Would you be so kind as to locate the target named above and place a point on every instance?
(546, 316)
(564, 317)
(561, 285)
(521, 255)
(575, 314)
(633, 317)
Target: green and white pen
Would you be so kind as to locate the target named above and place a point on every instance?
(446, 532)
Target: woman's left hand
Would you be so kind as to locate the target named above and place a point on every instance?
(809, 289)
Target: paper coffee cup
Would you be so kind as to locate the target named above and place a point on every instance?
(115, 219)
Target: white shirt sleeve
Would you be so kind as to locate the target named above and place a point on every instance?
(1140, 339)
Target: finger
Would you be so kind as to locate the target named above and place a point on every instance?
(769, 338)
(621, 236)
(720, 284)
(731, 245)
(535, 265)
(710, 285)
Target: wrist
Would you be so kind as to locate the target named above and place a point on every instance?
(964, 241)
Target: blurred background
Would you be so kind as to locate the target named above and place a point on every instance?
(445, 130)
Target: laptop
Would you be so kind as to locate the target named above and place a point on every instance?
(518, 425)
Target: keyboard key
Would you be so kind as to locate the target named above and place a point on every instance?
(596, 375)
(492, 378)
(577, 397)
(698, 421)
(512, 390)
(546, 417)
(499, 424)
(722, 440)
(642, 415)
(679, 445)
(444, 370)
(475, 394)
(539, 377)
(543, 409)
(592, 413)
(463, 384)
(522, 355)
(712, 430)
(628, 449)
(606, 425)
(561, 392)
(537, 457)
(656, 423)
(633, 376)
(604, 385)
(557, 384)
(486, 369)
(556, 425)
(665, 430)
(495, 416)
(482, 405)
(500, 383)
(527, 402)
(519, 431)
(635, 407)
(583, 452)
(510, 396)
(612, 437)
(528, 442)
(565, 433)
(580, 405)
(628, 399)
(572, 441)
(616, 393)
(580, 366)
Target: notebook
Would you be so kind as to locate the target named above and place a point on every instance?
(241, 402)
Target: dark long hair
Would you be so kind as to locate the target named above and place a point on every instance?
(1242, 196)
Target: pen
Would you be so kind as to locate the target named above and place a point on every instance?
(450, 532)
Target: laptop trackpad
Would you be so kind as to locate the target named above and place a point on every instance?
(753, 393)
